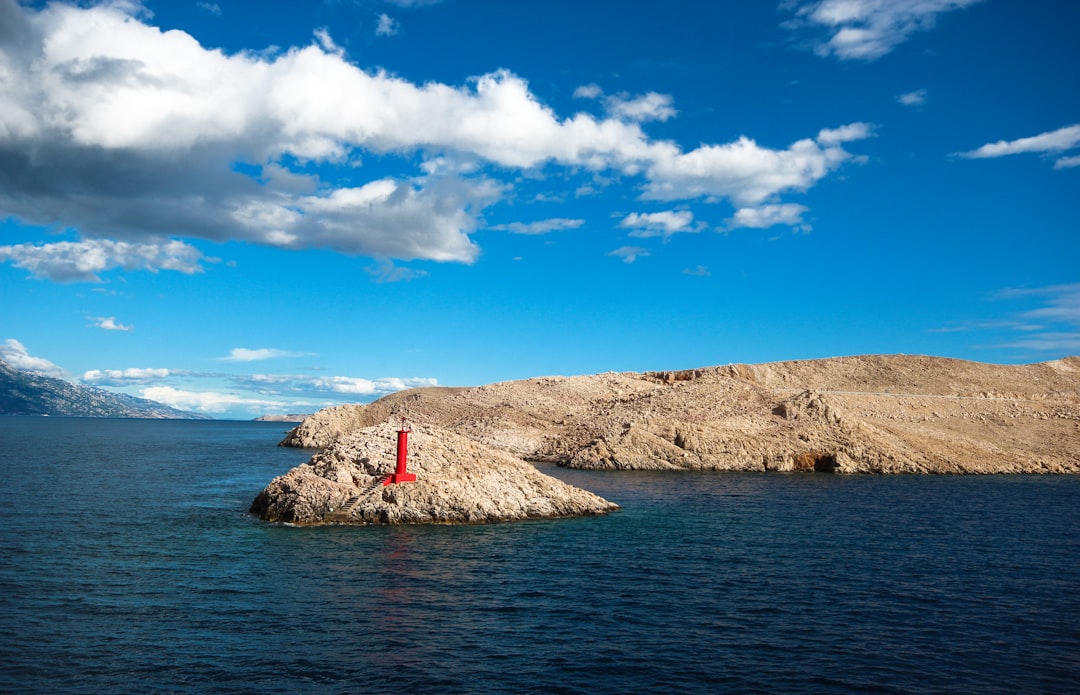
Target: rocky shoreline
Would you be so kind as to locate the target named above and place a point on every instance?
(884, 414)
(458, 481)
(867, 414)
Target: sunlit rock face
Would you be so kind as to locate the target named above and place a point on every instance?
(457, 481)
(863, 414)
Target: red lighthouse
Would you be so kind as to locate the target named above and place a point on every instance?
(399, 475)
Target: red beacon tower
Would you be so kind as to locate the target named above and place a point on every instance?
(399, 475)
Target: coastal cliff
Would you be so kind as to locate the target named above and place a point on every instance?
(866, 414)
(457, 481)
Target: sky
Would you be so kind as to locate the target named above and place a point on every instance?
(243, 208)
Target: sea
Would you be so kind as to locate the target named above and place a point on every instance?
(129, 564)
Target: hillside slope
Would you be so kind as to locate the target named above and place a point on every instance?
(28, 393)
(869, 414)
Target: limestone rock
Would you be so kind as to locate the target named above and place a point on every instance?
(458, 481)
(865, 414)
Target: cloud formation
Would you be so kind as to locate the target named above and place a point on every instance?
(629, 254)
(539, 227)
(215, 402)
(653, 224)
(258, 354)
(1054, 141)
(125, 377)
(867, 29)
(1050, 325)
(83, 261)
(766, 216)
(15, 354)
(136, 137)
(109, 323)
(916, 98)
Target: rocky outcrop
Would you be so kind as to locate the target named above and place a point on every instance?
(868, 414)
(458, 481)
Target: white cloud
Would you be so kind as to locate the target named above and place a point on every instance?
(14, 353)
(1061, 303)
(699, 271)
(1059, 140)
(766, 216)
(122, 377)
(648, 107)
(109, 323)
(867, 29)
(588, 91)
(369, 387)
(388, 26)
(651, 106)
(1049, 324)
(249, 355)
(70, 261)
(538, 227)
(209, 7)
(745, 172)
(629, 254)
(147, 126)
(653, 224)
(213, 401)
(916, 98)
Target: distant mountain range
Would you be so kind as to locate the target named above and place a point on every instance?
(30, 393)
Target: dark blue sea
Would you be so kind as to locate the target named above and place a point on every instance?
(129, 564)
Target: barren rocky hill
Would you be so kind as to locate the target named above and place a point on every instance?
(865, 414)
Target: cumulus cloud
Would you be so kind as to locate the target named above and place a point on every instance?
(250, 355)
(766, 216)
(745, 172)
(109, 323)
(15, 354)
(653, 224)
(648, 107)
(651, 106)
(867, 29)
(1054, 141)
(124, 132)
(71, 261)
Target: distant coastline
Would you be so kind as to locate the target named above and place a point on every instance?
(294, 417)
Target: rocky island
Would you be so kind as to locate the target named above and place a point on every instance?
(864, 414)
(881, 414)
(457, 481)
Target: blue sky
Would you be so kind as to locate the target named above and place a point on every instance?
(254, 207)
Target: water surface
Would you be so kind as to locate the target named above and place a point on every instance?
(128, 563)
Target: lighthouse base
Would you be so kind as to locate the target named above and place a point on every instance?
(399, 478)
